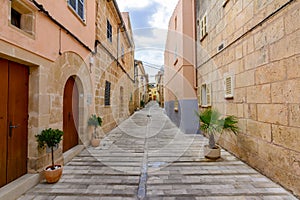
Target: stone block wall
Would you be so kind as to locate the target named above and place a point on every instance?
(261, 51)
(107, 69)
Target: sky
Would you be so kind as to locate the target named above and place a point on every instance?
(149, 21)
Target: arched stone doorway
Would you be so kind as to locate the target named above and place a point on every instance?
(70, 114)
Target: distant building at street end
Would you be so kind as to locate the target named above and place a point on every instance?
(159, 79)
(152, 91)
(141, 95)
(180, 98)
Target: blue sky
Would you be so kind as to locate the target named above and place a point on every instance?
(149, 20)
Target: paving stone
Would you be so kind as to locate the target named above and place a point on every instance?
(171, 164)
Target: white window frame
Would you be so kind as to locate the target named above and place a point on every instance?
(205, 95)
(228, 86)
(76, 9)
(203, 27)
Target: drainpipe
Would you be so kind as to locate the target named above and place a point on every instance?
(196, 43)
(120, 26)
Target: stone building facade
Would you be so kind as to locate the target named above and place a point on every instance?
(248, 66)
(55, 61)
(114, 64)
(159, 80)
(179, 62)
(141, 83)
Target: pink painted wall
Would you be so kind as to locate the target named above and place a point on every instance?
(45, 41)
(179, 52)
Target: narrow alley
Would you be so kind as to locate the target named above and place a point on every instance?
(148, 157)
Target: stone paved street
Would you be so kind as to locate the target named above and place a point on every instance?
(148, 157)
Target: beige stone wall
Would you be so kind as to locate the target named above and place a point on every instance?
(264, 62)
(49, 72)
(107, 69)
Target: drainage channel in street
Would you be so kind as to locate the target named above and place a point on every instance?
(142, 190)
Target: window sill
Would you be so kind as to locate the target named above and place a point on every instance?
(205, 106)
(32, 36)
(203, 37)
(176, 61)
(228, 97)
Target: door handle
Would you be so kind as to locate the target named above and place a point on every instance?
(11, 127)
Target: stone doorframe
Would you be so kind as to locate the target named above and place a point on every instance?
(70, 64)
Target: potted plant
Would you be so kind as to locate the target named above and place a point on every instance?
(212, 124)
(95, 121)
(51, 138)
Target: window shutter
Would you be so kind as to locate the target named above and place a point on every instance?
(201, 26)
(228, 87)
(208, 94)
(81, 9)
(204, 25)
(107, 93)
(199, 95)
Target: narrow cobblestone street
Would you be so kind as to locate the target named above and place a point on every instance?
(147, 157)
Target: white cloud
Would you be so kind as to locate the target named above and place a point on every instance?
(155, 38)
(160, 19)
(150, 46)
(125, 5)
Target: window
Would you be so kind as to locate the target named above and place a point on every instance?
(22, 17)
(122, 53)
(225, 3)
(107, 93)
(228, 84)
(109, 31)
(78, 7)
(204, 95)
(176, 23)
(15, 18)
(175, 55)
(203, 27)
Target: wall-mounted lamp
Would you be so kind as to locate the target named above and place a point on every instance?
(91, 63)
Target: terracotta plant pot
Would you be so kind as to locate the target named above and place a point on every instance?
(212, 153)
(52, 176)
(95, 142)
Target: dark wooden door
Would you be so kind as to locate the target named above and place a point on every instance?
(14, 120)
(3, 119)
(70, 115)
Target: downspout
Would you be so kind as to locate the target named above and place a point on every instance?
(196, 45)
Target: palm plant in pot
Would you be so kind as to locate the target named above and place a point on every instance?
(51, 138)
(95, 121)
(213, 124)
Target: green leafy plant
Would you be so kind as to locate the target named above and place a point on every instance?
(142, 103)
(212, 123)
(51, 138)
(95, 121)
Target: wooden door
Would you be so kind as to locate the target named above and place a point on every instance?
(70, 115)
(13, 120)
(3, 119)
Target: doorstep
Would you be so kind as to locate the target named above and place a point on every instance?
(16, 188)
(21, 185)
